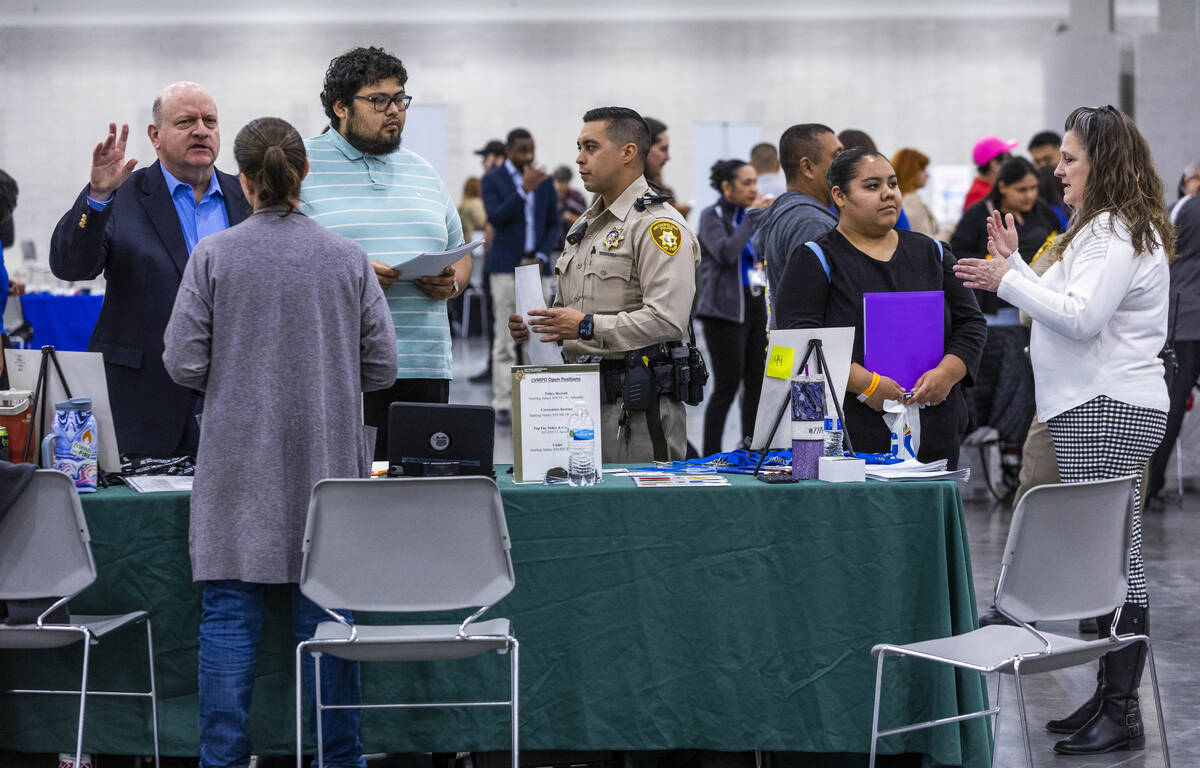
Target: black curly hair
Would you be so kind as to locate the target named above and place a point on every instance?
(354, 69)
(724, 170)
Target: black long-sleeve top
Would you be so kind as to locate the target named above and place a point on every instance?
(808, 298)
(970, 239)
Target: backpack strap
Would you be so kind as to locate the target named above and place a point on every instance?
(812, 246)
(820, 253)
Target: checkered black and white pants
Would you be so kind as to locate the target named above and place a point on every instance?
(1106, 438)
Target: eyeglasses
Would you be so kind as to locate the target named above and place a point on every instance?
(381, 102)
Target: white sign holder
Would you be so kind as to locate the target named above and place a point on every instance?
(543, 400)
(836, 346)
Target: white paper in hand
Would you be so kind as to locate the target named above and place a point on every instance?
(430, 264)
(529, 296)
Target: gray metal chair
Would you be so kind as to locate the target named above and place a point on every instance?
(45, 552)
(1067, 558)
(399, 546)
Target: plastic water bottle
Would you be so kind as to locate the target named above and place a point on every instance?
(581, 434)
(833, 438)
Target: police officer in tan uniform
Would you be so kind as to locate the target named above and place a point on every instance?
(626, 280)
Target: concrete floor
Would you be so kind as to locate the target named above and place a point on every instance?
(1171, 539)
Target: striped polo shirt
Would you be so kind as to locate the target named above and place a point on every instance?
(395, 207)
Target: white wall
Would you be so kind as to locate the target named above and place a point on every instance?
(1167, 100)
(936, 84)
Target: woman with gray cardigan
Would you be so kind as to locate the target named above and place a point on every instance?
(729, 299)
(282, 325)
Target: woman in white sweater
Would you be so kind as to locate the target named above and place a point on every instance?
(1099, 322)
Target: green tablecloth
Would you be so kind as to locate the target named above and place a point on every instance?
(722, 618)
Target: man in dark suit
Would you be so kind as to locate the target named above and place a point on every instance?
(522, 208)
(138, 229)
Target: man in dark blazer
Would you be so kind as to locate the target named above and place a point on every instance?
(138, 228)
(522, 208)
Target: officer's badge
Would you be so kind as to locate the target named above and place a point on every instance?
(667, 236)
(83, 221)
(613, 238)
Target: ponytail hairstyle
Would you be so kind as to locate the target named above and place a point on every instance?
(722, 171)
(844, 168)
(271, 154)
(1121, 181)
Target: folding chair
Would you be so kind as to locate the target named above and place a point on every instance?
(45, 552)
(406, 545)
(1067, 557)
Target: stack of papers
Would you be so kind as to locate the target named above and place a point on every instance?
(159, 483)
(671, 479)
(913, 470)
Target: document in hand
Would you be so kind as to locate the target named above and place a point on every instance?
(528, 289)
(903, 334)
(429, 264)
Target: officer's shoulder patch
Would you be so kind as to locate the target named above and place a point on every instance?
(667, 235)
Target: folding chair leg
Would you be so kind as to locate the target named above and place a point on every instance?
(996, 719)
(513, 674)
(299, 707)
(1021, 709)
(153, 690)
(87, 651)
(317, 710)
(1162, 726)
(875, 716)
(1179, 465)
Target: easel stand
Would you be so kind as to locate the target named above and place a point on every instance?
(814, 345)
(41, 394)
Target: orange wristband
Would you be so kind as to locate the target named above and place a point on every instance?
(870, 390)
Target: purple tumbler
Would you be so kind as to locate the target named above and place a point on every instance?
(808, 425)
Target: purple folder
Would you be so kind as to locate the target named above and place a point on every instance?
(903, 334)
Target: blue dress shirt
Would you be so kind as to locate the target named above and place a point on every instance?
(197, 220)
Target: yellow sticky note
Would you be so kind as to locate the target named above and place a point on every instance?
(779, 363)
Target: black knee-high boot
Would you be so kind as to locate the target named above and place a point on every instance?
(1118, 722)
(1077, 719)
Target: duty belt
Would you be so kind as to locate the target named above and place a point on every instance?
(638, 379)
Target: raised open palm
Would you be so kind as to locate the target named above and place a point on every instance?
(1002, 235)
(109, 166)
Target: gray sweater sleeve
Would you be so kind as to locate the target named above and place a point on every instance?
(377, 339)
(188, 337)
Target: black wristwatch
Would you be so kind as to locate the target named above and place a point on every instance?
(586, 328)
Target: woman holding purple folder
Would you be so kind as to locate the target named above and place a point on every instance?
(866, 254)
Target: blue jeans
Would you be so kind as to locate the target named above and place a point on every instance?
(230, 625)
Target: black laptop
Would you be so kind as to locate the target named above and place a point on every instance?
(434, 439)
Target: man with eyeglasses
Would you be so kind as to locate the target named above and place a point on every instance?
(363, 185)
(138, 228)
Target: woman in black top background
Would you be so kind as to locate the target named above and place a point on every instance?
(1015, 192)
(866, 254)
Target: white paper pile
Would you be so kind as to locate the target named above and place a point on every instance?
(913, 470)
(159, 483)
